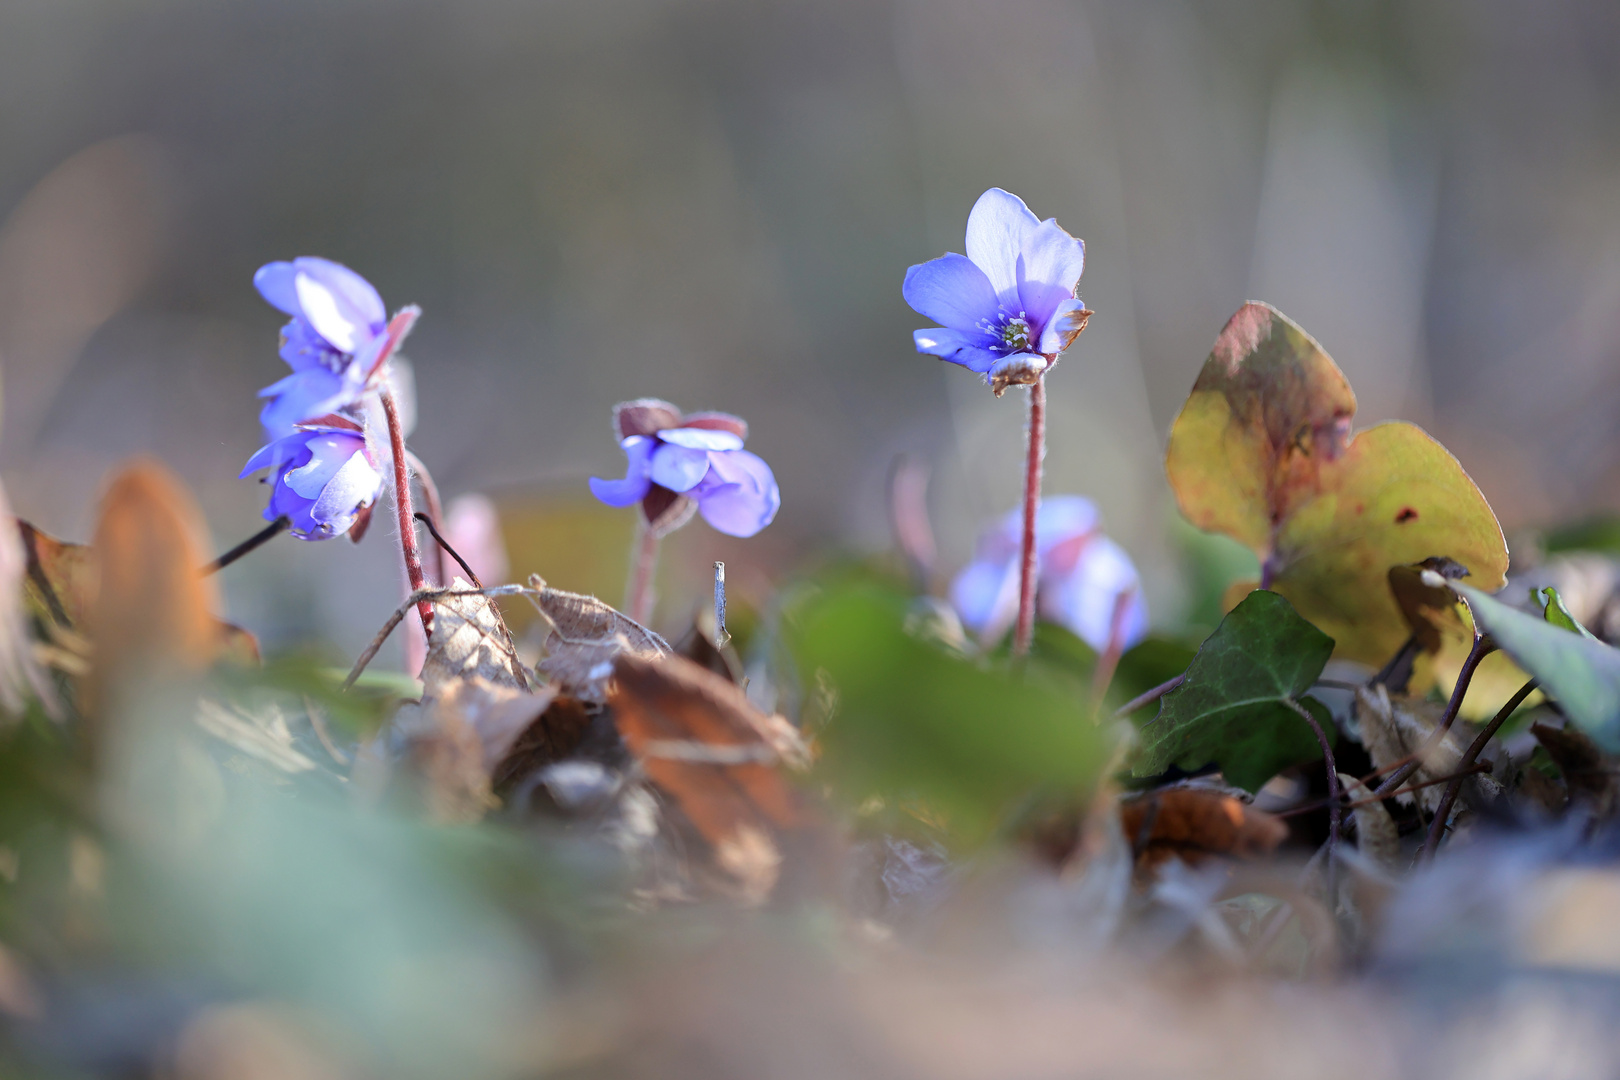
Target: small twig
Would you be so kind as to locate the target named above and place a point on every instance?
(1024, 629)
(446, 549)
(1339, 684)
(1318, 804)
(420, 597)
(722, 636)
(1335, 811)
(435, 513)
(257, 540)
(1437, 827)
(1483, 646)
(1149, 697)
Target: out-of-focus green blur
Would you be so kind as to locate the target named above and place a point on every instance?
(714, 201)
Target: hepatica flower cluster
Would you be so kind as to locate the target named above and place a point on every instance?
(1086, 582)
(1009, 306)
(681, 464)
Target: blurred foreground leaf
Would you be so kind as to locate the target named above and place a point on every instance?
(1262, 452)
(1234, 709)
(1582, 674)
(911, 721)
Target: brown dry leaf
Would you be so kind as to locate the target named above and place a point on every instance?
(1589, 773)
(584, 638)
(1193, 823)
(469, 642)
(453, 742)
(701, 740)
(1393, 729)
(554, 735)
(1376, 834)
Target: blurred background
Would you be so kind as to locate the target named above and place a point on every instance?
(715, 201)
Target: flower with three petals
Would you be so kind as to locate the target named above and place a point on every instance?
(1008, 307)
(679, 465)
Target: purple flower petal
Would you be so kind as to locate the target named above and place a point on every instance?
(633, 488)
(678, 468)
(985, 595)
(700, 439)
(951, 291)
(304, 395)
(1048, 271)
(1060, 327)
(997, 228)
(1086, 598)
(739, 496)
(328, 454)
(959, 348)
(353, 485)
(339, 304)
(275, 283)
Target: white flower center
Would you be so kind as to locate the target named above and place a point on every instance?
(1012, 333)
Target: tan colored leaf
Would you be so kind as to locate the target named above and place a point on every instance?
(584, 637)
(1376, 834)
(554, 735)
(700, 739)
(1263, 452)
(469, 641)
(1393, 729)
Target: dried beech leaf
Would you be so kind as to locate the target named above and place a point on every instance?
(1376, 834)
(583, 639)
(453, 742)
(1193, 823)
(553, 736)
(469, 642)
(701, 740)
(1393, 729)
(1263, 452)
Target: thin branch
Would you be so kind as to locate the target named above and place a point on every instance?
(1318, 804)
(257, 540)
(1149, 697)
(1335, 810)
(1437, 827)
(445, 548)
(421, 597)
(1483, 647)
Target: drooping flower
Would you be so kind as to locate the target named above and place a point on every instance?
(1009, 306)
(679, 465)
(322, 479)
(337, 342)
(1085, 581)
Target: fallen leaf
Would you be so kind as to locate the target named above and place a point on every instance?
(699, 738)
(1376, 834)
(583, 639)
(1234, 707)
(1589, 774)
(1393, 729)
(469, 641)
(1193, 823)
(1262, 452)
(553, 736)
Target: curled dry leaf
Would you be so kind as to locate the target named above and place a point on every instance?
(469, 641)
(1193, 823)
(1377, 836)
(553, 736)
(700, 740)
(1589, 773)
(583, 639)
(1263, 452)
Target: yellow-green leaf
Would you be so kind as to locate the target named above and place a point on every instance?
(1263, 452)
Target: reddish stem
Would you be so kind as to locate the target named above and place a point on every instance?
(638, 599)
(402, 503)
(1025, 631)
(435, 513)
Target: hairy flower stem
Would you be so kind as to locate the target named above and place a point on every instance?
(402, 504)
(1025, 629)
(252, 543)
(1437, 827)
(638, 595)
(435, 514)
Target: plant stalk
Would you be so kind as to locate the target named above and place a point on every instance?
(1024, 632)
(402, 504)
(638, 598)
(1437, 827)
(257, 540)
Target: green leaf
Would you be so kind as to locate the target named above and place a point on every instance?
(1552, 606)
(1581, 673)
(1235, 709)
(910, 721)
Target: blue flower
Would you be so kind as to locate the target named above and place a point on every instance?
(1009, 306)
(1085, 581)
(337, 341)
(323, 480)
(681, 464)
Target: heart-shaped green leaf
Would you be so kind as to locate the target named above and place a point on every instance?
(1236, 707)
(1262, 452)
